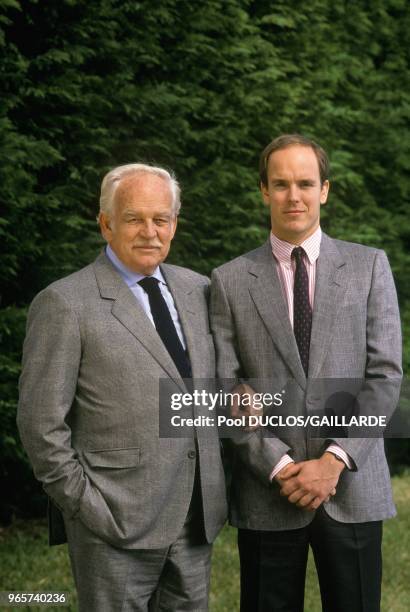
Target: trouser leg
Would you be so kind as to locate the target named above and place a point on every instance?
(273, 569)
(349, 563)
(184, 581)
(110, 579)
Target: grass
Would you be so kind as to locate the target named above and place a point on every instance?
(27, 563)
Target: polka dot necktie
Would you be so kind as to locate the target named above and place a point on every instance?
(302, 312)
(165, 325)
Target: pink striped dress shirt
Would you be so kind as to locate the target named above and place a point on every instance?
(286, 266)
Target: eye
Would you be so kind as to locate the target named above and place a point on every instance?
(131, 220)
(306, 184)
(161, 221)
(279, 185)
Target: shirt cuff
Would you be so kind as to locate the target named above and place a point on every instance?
(285, 460)
(336, 450)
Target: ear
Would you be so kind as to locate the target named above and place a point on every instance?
(265, 193)
(324, 192)
(105, 226)
(174, 228)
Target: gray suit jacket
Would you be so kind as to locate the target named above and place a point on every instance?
(355, 335)
(88, 413)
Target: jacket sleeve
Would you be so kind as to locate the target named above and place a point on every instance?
(380, 392)
(51, 361)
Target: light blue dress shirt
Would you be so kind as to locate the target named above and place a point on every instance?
(131, 279)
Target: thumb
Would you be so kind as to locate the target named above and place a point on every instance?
(290, 470)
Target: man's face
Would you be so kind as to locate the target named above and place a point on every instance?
(294, 193)
(142, 223)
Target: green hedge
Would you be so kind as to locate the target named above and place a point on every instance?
(200, 87)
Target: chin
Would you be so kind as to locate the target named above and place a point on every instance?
(148, 267)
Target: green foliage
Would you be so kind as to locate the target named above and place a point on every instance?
(200, 87)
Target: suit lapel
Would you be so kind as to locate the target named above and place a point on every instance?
(329, 290)
(267, 295)
(130, 313)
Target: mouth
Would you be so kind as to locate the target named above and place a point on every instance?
(146, 248)
(294, 212)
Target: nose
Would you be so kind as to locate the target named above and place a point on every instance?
(294, 195)
(148, 229)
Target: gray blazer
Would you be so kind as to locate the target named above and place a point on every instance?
(88, 413)
(355, 335)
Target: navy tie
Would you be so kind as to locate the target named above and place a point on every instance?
(302, 312)
(165, 325)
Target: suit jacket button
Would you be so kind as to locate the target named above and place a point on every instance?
(191, 454)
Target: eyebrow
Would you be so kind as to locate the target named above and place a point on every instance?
(135, 213)
(277, 179)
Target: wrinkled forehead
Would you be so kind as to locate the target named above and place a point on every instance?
(143, 189)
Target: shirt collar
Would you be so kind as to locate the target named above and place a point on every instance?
(282, 250)
(130, 277)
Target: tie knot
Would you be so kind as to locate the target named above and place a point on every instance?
(149, 283)
(297, 253)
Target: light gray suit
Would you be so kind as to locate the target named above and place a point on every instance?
(355, 335)
(88, 413)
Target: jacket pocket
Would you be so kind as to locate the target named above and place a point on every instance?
(118, 458)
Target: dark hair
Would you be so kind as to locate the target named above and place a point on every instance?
(288, 140)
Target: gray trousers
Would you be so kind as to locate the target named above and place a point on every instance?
(172, 579)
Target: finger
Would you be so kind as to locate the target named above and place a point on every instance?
(305, 501)
(314, 505)
(288, 487)
(255, 411)
(296, 496)
(242, 388)
(237, 410)
(329, 497)
(234, 410)
(290, 470)
(245, 410)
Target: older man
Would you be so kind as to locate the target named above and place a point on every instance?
(140, 511)
(302, 310)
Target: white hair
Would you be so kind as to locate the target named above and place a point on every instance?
(113, 178)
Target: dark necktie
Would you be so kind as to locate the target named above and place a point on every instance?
(165, 325)
(302, 312)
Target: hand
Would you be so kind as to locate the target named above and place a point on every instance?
(310, 483)
(280, 479)
(238, 409)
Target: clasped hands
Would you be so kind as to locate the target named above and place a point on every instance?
(307, 484)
